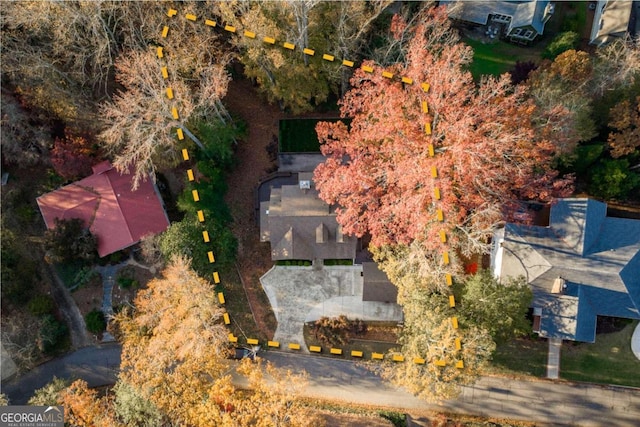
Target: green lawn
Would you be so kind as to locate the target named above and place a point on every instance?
(499, 57)
(299, 135)
(521, 357)
(609, 360)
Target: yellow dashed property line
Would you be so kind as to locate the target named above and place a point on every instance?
(305, 49)
(434, 173)
(185, 154)
(440, 218)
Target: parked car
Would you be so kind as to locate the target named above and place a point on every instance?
(239, 353)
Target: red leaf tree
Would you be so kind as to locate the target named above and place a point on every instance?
(488, 153)
(72, 156)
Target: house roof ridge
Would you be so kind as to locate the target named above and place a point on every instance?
(116, 197)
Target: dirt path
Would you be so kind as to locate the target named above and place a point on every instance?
(69, 309)
(253, 163)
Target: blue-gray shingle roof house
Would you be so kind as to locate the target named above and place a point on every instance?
(583, 265)
(519, 21)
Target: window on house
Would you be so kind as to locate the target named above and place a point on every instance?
(528, 34)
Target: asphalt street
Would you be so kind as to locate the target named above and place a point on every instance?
(551, 402)
(97, 365)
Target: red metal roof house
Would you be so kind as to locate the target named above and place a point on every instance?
(116, 215)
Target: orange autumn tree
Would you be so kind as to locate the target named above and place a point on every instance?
(174, 347)
(83, 407)
(488, 153)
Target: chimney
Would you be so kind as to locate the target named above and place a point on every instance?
(339, 235)
(559, 286)
(322, 234)
(305, 185)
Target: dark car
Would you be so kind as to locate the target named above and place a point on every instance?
(239, 353)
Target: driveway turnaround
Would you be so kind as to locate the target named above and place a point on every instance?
(303, 294)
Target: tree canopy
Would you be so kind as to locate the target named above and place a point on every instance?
(173, 345)
(489, 153)
(429, 333)
(69, 240)
(174, 368)
(499, 307)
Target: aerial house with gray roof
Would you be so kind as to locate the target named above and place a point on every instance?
(583, 265)
(517, 21)
(301, 226)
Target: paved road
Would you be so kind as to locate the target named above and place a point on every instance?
(543, 401)
(98, 365)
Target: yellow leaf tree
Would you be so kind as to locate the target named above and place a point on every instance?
(174, 345)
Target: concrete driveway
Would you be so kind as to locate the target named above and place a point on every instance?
(304, 294)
